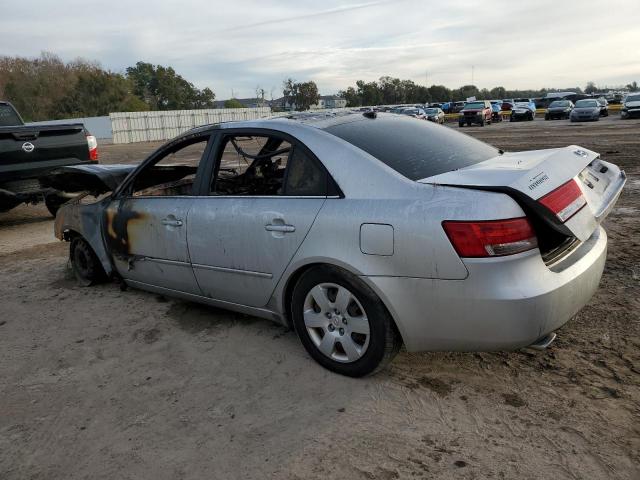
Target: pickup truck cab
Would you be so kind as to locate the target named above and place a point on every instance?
(478, 111)
(28, 153)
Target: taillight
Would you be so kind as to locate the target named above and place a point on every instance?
(92, 143)
(491, 238)
(565, 201)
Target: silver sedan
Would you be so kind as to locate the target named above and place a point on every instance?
(361, 231)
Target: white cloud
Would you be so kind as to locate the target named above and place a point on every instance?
(243, 43)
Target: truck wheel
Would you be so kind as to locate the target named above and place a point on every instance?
(85, 264)
(460, 124)
(53, 202)
(342, 323)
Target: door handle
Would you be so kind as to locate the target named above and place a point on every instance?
(280, 228)
(171, 222)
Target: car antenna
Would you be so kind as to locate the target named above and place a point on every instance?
(370, 114)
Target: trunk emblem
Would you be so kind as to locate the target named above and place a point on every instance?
(580, 153)
(28, 147)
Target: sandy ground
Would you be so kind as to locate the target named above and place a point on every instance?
(102, 384)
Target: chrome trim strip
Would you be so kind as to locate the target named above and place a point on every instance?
(166, 262)
(233, 270)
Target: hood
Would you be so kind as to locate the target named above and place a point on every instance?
(586, 109)
(634, 104)
(87, 178)
(99, 179)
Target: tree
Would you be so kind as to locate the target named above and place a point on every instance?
(351, 96)
(633, 86)
(590, 88)
(98, 92)
(163, 89)
(306, 95)
(233, 103)
(300, 95)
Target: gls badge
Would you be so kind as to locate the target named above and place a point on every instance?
(28, 147)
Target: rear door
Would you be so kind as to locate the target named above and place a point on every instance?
(145, 228)
(265, 193)
(571, 187)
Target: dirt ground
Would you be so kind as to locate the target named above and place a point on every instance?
(102, 384)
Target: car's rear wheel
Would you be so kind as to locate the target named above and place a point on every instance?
(342, 323)
(85, 263)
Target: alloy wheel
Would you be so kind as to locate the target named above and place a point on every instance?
(336, 322)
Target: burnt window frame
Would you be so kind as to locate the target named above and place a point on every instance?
(124, 190)
(209, 174)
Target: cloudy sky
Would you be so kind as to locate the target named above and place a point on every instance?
(239, 44)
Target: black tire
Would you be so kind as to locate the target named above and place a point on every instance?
(53, 203)
(546, 117)
(85, 264)
(384, 340)
(460, 124)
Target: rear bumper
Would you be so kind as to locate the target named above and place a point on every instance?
(504, 303)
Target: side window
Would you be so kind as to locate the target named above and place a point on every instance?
(251, 165)
(305, 177)
(173, 173)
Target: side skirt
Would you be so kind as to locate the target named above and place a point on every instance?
(236, 307)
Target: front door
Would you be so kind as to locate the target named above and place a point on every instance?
(264, 197)
(145, 227)
(148, 240)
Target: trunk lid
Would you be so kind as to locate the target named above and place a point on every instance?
(529, 176)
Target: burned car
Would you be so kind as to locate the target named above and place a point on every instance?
(362, 231)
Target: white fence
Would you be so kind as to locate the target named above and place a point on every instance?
(130, 127)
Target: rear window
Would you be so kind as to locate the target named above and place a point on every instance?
(8, 116)
(412, 147)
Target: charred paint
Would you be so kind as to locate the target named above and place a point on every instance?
(118, 219)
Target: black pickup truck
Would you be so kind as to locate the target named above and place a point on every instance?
(29, 152)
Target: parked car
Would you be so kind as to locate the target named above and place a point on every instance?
(507, 104)
(631, 106)
(28, 152)
(435, 115)
(435, 105)
(446, 107)
(586, 110)
(496, 110)
(414, 112)
(523, 110)
(544, 102)
(478, 250)
(457, 107)
(604, 106)
(559, 109)
(478, 112)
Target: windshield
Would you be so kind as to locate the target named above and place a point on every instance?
(559, 103)
(8, 116)
(632, 98)
(416, 150)
(474, 105)
(431, 111)
(411, 111)
(586, 103)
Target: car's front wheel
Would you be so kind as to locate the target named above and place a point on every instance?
(342, 323)
(85, 263)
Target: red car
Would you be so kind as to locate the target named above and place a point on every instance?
(478, 111)
(507, 105)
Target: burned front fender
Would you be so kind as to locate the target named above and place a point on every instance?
(84, 219)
